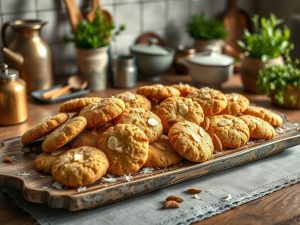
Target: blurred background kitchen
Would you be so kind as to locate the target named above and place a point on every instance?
(167, 18)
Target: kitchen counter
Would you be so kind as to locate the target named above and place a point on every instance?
(281, 207)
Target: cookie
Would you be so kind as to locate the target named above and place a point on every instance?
(75, 105)
(267, 115)
(80, 166)
(161, 154)
(236, 104)
(64, 134)
(90, 136)
(175, 109)
(212, 101)
(44, 128)
(126, 147)
(231, 131)
(191, 141)
(134, 100)
(146, 120)
(184, 89)
(158, 91)
(258, 128)
(102, 112)
(44, 161)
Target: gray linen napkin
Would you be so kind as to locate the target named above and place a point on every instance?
(243, 183)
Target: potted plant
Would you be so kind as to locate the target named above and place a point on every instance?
(282, 84)
(207, 33)
(265, 46)
(92, 39)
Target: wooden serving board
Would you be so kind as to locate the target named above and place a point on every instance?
(38, 188)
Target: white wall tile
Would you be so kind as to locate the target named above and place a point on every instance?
(129, 15)
(200, 6)
(178, 36)
(178, 12)
(15, 16)
(125, 1)
(13, 6)
(154, 15)
(48, 5)
(123, 43)
(107, 2)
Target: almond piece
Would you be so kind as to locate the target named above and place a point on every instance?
(196, 137)
(175, 198)
(205, 124)
(112, 143)
(193, 191)
(202, 132)
(129, 97)
(152, 121)
(183, 109)
(77, 157)
(171, 205)
(224, 122)
(218, 147)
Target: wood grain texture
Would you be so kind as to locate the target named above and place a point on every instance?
(266, 210)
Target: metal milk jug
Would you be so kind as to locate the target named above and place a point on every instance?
(28, 53)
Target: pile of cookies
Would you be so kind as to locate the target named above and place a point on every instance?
(158, 126)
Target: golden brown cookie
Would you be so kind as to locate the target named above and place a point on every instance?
(158, 91)
(161, 154)
(64, 134)
(126, 147)
(231, 131)
(191, 141)
(44, 128)
(75, 105)
(267, 115)
(184, 89)
(44, 161)
(175, 109)
(80, 166)
(212, 101)
(102, 112)
(90, 136)
(236, 104)
(134, 100)
(146, 120)
(258, 128)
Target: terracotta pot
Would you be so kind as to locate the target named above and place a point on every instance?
(288, 102)
(250, 68)
(204, 45)
(92, 65)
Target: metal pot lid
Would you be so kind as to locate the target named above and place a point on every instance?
(8, 74)
(150, 49)
(211, 58)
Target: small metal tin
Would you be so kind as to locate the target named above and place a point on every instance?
(124, 72)
(13, 99)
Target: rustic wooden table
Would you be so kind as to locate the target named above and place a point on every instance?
(281, 207)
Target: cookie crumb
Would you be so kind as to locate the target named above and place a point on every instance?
(175, 198)
(171, 205)
(196, 197)
(81, 189)
(7, 159)
(23, 174)
(228, 197)
(57, 185)
(193, 190)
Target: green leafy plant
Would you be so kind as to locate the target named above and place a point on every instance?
(268, 40)
(274, 80)
(97, 33)
(200, 27)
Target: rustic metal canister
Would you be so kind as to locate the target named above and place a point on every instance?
(125, 72)
(13, 101)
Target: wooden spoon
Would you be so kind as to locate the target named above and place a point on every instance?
(75, 83)
(74, 13)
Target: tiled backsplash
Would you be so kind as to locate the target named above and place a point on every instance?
(164, 17)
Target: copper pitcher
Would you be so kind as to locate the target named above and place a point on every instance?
(29, 53)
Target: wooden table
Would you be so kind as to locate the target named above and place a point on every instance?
(281, 207)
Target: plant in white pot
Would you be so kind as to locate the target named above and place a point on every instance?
(92, 39)
(265, 46)
(207, 33)
(282, 84)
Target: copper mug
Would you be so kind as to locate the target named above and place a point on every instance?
(28, 53)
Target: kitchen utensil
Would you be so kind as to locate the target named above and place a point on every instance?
(29, 53)
(39, 189)
(125, 72)
(235, 21)
(75, 83)
(209, 68)
(13, 99)
(182, 52)
(151, 59)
